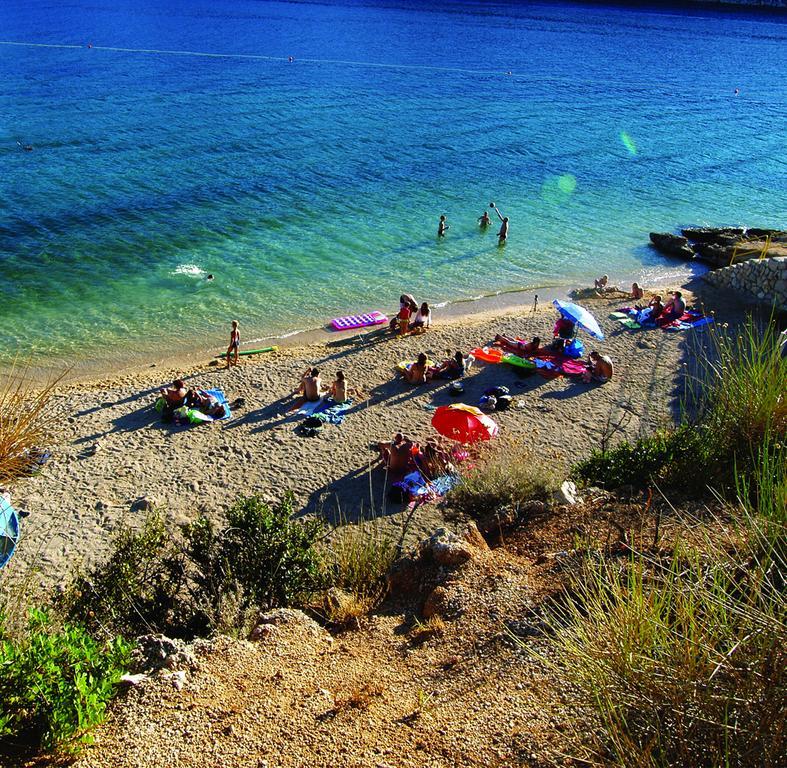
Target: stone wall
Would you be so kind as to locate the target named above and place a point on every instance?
(764, 281)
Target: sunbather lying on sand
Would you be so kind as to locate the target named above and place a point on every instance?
(516, 346)
(453, 368)
(207, 404)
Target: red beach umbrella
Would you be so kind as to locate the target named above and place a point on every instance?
(463, 423)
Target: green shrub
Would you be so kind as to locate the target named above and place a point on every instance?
(504, 476)
(136, 590)
(734, 418)
(55, 683)
(659, 458)
(682, 660)
(262, 559)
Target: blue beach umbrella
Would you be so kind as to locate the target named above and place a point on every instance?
(580, 316)
(9, 531)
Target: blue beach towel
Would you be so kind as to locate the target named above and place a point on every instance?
(332, 412)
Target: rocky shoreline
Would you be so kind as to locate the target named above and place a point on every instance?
(751, 261)
(720, 247)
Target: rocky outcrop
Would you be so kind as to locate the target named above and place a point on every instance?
(425, 566)
(672, 245)
(718, 235)
(721, 246)
(764, 281)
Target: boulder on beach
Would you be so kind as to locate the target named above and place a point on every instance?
(672, 245)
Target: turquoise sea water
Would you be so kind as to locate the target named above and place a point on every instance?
(184, 142)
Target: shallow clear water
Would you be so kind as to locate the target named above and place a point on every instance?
(313, 188)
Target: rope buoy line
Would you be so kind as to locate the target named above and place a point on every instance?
(252, 57)
(557, 81)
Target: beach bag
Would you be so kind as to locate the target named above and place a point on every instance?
(311, 426)
(575, 349)
(503, 403)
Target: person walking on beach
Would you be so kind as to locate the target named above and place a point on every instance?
(442, 227)
(234, 346)
(502, 235)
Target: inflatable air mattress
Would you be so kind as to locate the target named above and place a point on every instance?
(358, 321)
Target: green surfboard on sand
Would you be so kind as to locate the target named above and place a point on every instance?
(251, 351)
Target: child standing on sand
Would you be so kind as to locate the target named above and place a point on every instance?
(234, 343)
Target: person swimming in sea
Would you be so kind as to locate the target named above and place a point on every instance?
(484, 221)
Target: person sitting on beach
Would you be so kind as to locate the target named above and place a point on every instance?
(453, 368)
(563, 332)
(601, 283)
(484, 221)
(434, 460)
(600, 368)
(398, 454)
(174, 396)
(636, 292)
(416, 373)
(423, 318)
(339, 390)
(311, 385)
(674, 309)
(517, 346)
(442, 227)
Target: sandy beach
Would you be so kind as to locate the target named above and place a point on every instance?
(112, 450)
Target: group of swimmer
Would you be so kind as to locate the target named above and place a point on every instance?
(484, 220)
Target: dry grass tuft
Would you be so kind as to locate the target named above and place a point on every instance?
(25, 422)
(422, 631)
(346, 610)
(359, 698)
(505, 475)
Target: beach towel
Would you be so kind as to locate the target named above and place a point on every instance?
(9, 530)
(574, 367)
(308, 407)
(331, 411)
(634, 319)
(687, 321)
(418, 490)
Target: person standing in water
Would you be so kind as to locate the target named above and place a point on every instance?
(442, 227)
(502, 235)
(234, 343)
(484, 221)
